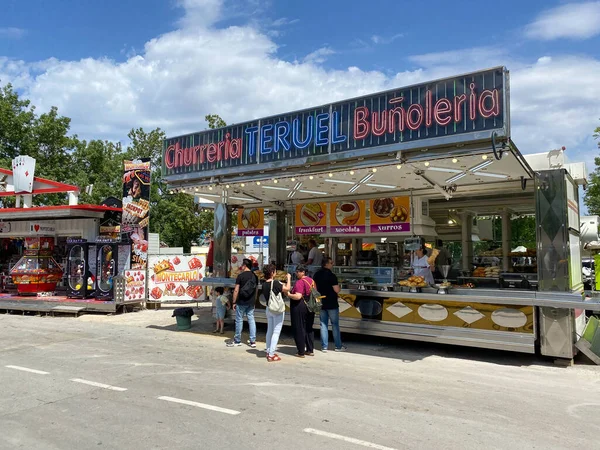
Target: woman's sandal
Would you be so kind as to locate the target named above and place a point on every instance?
(273, 358)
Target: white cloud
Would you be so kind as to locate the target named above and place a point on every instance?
(573, 21)
(554, 102)
(12, 32)
(377, 39)
(319, 56)
(200, 13)
(179, 77)
(470, 58)
(284, 21)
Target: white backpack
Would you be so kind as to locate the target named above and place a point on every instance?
(276, 304)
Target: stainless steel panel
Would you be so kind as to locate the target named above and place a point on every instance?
(496, 297)
(433, 313)
(497, 340)
(277, 238)
(222, 240)
(509, 318)
(556, 332)
(552, 231)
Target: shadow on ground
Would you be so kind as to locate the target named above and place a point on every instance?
(405, 350)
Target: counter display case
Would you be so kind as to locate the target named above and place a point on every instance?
(365, 277)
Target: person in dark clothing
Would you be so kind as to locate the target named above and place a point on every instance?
(327, 285)
(302, 319)
(244, 298)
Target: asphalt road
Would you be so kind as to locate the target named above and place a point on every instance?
(158, 388)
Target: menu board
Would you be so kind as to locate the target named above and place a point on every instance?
(311, 218)
(170, 276)
(251, 222)
(390, 215)
(348, 217)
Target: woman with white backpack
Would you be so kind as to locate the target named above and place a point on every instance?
(273, 291)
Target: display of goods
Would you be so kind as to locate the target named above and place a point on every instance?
(492, 272)
(479, 272)
(487, 272)
(414, 281)
(445, 284)
(491, 253)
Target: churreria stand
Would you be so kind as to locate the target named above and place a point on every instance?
(409, 162)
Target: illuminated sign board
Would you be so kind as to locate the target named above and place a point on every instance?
(452, 107)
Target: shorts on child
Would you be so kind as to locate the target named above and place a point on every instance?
(221, 309)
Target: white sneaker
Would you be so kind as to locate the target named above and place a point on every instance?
(324, 350)
(343, 348)
(251, 344)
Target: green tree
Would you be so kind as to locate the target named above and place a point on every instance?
(214, 121)
(17, 118)
(98, 164)
(179, 220)
(44, 137)
(592, 194)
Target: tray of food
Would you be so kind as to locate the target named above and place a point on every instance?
(413, 282)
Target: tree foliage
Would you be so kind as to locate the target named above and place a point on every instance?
(97, 164)
(592, 194)
(214, 121)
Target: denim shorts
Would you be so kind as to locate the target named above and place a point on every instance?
(221, 309)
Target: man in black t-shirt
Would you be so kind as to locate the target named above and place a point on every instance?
(327, 285)
(244, 297)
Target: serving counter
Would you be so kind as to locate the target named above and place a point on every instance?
(488, 318)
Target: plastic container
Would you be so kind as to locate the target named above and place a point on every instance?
(184, 318)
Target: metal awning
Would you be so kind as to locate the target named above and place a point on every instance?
(444, 176)
(56, 212)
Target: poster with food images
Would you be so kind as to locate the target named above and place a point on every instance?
(169, 277)
(251, 222)
(135, 285)
(347, 217)
(136, 209)
(311, 218)
(390, 215)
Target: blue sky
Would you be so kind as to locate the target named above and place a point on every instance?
(112, 65)
(377, 35)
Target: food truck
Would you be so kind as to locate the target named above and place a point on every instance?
(373, 178)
